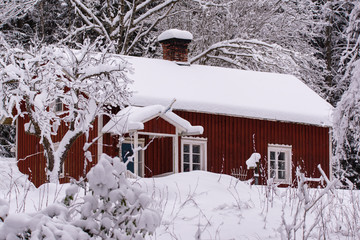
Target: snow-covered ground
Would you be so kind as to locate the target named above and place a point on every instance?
(204, 205)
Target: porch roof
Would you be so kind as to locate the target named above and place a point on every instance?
(131, 119)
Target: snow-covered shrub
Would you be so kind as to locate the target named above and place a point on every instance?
(53, 222)
(116, 208)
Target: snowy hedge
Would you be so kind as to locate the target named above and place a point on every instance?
(114, 208)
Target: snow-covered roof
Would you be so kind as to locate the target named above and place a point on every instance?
(175, 33)
(132, 119)
(227, 91)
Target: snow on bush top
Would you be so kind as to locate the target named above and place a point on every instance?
(175, 33)
(227, 91)
(253, 160)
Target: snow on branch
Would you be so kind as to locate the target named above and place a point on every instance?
(14, 8)
(85, 83)
(125, 23)
(237, 44)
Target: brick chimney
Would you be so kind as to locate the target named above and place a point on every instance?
(175, 45)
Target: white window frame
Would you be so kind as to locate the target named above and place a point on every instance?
(287, 150)
(202, 142)
(62, 169)
(141, 143)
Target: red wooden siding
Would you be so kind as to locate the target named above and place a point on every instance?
(31, 158)
(159, 154)
(232, 140)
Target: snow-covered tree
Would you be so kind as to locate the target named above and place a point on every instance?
(261, 35)
(332, 19)
(56, 88)
(48, 21)
(10, 9)
(350, 52)
(7, 140)
(126, 24)
(346, 116)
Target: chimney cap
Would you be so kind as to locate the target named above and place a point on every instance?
(175, 34)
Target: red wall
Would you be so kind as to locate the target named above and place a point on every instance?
(31, 160)
(230, 142)
(231, 139)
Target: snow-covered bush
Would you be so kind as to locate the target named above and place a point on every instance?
(116, 208)
(113, 208)
(54, 222)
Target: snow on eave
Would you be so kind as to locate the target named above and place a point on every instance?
(132, 119)
(187, 128)
(328, 125)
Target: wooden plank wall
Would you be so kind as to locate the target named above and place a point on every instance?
(31, 160)
(232, 140)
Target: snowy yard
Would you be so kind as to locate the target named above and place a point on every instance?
(203, 205)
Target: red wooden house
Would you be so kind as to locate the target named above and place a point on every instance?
(219, 117)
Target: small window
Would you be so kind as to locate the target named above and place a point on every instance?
(193, 155)
(279, 163)
(58, 105)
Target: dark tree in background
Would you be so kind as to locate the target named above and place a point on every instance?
(7, 140)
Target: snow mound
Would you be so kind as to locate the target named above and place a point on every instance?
(11, 178)
(204, 205)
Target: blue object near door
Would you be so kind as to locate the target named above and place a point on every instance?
(127, 151)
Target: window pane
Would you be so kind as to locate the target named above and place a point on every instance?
(281, 156)
(186, 148)
(186, 158)
(196, 158)
(196, 167)
(272, 174)
(196, 148)
(186, 167)
(281, 165)
(281, 174)
(272, 164)
(272, 155)
(58, 105)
